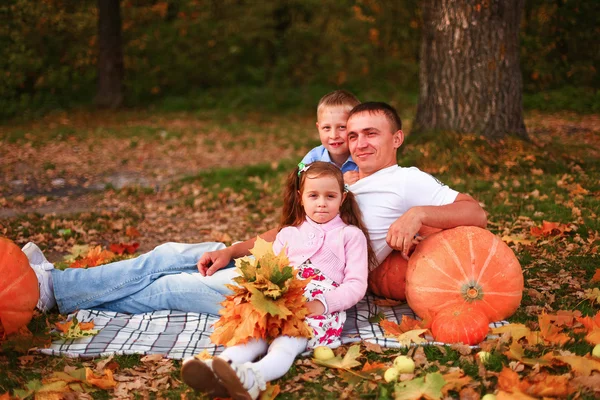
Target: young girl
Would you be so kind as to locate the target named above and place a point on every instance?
(325, 239)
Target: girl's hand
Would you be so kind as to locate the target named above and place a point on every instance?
(315, 307)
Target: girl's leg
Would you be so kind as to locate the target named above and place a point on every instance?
(280, 357)
(109, 284)
(242, 353)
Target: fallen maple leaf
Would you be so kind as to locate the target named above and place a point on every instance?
(549, 229)
(74, 329)
(349, 360)
(132, 232)
(373, 347)
(550, 331)
(430, 387)
(516, 240)
(517, 331)
(204, 355)
(580, 365)
(413, 336)
(593, 337)
(596, 277)
(593, 295)
(271, 392)
(123, 248)
(390, 328)
(455, 380)
(94, 257)
(103, 382)
(516, 352)
(374, 366)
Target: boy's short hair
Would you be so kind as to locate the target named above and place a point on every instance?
(338, 98)
(375, 107)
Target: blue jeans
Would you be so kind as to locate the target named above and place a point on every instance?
(165, 278)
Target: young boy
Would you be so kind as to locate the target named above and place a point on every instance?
(332, 113)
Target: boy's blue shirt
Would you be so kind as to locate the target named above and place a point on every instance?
(320, 153)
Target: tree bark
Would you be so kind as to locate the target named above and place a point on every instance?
(110, 55)
(470, 78)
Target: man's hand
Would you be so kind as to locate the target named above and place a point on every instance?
(212, 261)
(315, 307)
(403, 233)
(350, 177)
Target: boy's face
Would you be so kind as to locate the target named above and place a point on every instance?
(331, 123)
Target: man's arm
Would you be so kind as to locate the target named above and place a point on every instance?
(212, 261)
(465, 210)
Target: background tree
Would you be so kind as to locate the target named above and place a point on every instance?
(110, 55)
(470, 79)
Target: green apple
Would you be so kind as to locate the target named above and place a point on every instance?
(323, 353)
(391, 374)
(489, 396)
(404, 365)
(596, 351)
(483, 356)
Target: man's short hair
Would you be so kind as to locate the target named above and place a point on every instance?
(338, 98)
(376, 107)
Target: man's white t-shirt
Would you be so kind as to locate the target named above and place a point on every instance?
(388, 193)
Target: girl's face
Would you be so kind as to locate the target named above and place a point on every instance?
(321, 198)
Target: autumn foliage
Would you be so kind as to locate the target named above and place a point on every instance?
(269, 301)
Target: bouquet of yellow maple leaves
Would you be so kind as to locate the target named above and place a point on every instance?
(269, 301)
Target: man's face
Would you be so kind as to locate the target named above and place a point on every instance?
(372, 142)
(332, 132)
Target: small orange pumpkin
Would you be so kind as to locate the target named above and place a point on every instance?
(389, 278)
(464, 264)
(460, 323)
(19, 290)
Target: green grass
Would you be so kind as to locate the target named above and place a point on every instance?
(506, 178)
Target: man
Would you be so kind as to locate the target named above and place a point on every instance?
(396, 202)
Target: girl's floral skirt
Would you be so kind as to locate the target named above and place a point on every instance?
(327, 328)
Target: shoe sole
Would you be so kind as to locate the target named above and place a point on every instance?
(230, 380)
(201, 378)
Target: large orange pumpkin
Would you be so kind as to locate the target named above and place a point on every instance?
(460, 323)
(388, 279)
(464, 265)
(19, 291)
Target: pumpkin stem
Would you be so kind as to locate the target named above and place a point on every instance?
(472, 291)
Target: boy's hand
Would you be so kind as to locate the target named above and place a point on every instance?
(212, 261)
(350, 177)
(315, 307)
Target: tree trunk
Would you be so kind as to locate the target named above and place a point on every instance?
(470, 78)
(110, 55)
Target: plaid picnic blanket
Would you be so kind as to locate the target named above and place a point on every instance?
(179, 335)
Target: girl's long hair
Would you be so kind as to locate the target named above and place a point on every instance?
(293, 213)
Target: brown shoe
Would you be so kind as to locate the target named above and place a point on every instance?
(234, 376)
(199, 375)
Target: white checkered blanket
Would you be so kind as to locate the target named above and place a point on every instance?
(179, 335)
